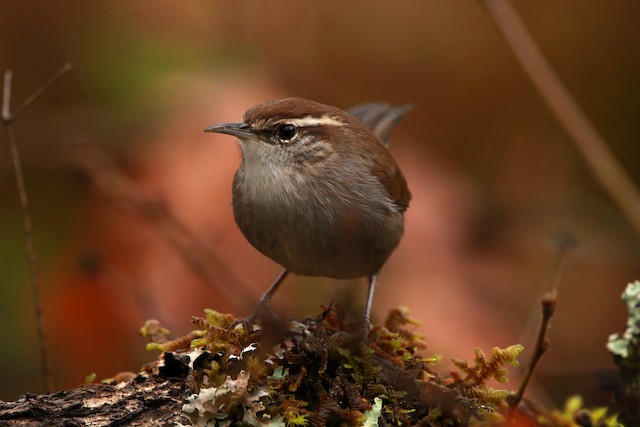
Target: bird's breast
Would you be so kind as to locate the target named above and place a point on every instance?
(316, 226)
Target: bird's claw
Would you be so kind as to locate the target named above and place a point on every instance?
(257, 317)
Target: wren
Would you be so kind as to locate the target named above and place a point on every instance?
(317, 190)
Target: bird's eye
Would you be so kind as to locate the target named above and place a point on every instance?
(286, 132)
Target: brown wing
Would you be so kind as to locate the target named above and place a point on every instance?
(393, 180)
(381, 118)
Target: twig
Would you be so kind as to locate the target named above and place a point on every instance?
(104, 172)
(7, 121)
(584, 135)
(35, 95)
(564, 242)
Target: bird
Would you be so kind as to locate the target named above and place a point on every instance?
(317, 189)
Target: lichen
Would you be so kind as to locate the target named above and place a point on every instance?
(625, 349)
(624, 345)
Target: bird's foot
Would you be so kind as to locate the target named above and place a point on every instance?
(260, 316)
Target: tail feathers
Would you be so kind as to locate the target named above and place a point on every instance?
(380, 117)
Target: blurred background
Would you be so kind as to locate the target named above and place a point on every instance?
(492, 175)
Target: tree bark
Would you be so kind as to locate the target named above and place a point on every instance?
(144, 401)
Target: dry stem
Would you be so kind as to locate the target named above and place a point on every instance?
(7, 121)
(564, 242)
(104, 172)
(584, 135)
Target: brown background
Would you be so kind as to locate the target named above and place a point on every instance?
(492, 175)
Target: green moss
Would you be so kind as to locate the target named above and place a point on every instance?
(323, 371)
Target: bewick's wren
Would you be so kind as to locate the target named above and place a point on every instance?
(317, 191)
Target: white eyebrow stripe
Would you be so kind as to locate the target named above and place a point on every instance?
(314, 121)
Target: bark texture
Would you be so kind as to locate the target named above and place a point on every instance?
(144, 401)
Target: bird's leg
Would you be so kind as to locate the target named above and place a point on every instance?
(266, 297)
(263, 302)
(373, 280)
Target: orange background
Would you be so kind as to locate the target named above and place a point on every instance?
(492, 174)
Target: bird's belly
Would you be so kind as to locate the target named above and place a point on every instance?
(316, 241)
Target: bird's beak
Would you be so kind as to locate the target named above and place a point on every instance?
(240, 130)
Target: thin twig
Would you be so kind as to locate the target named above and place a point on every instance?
(584, 135)
(107, 177)
(42, 89)
(6, 96)
(7, 120)
(564, 242)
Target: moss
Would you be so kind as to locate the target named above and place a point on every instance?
(323, 371)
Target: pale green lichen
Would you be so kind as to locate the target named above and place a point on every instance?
(373, 414)
(203, 408)
(620, 345)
